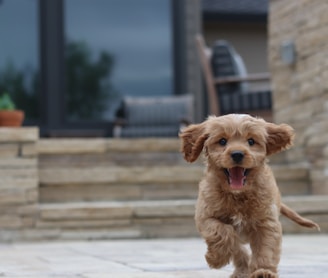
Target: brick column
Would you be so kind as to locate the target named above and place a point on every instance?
(18, 181)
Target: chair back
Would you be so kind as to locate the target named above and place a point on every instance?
(225, 61)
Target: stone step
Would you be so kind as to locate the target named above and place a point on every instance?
(54, 193)
(142, 219)
(136, 219)
(125, 175)
(143, 183)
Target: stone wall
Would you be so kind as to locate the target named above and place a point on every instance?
(105, 188)
(19, 181)
(300, 89)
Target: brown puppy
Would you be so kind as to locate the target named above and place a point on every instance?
(239, 201)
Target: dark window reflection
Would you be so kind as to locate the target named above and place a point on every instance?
(115, 48)
(19, 61)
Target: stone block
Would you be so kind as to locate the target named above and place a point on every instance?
(82, 224)
(319, 186)
(29, 149)
(136, 175)
(99, 210)
(285, 173)
(9, 174)
(143, 145)
(308, 204)
(12, 196)
(8, 150)
(27, 210)
(169, 208)
(71, 146)
(10, 222)
(18, 162)
(21, 183)
(295, 188)
(50, 193)
(19, 134)
(97, 234)
(32, 195)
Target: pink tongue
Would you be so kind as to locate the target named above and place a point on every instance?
(236, 177)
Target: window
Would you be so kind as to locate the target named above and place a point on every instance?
(115, 48)
(19, 54)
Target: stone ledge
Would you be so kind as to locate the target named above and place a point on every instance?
(19, 134)
(130, 175)
(76, 146)
(307, 204)
(144, 145)
(71, 146)
(117, 210)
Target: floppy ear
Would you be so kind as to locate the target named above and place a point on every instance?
(193, 138)
(280, 137)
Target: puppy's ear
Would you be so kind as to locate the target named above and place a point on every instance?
(193, 138)
(280, 137)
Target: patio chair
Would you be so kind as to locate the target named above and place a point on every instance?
(227, 82)
(153, 116)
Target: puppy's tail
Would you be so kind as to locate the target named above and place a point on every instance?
(288, 212)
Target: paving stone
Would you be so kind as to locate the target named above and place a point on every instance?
(303, 256)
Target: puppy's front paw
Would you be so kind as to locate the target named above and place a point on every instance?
(263, 273)
(239, 275)
(214, 260)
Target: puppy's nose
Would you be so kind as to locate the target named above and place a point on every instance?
(237, 156)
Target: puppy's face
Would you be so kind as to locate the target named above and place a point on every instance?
(235, 146)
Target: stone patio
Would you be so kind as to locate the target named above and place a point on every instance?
(303, 256)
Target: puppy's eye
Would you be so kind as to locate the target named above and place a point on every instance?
(251, 141)
(222, 141)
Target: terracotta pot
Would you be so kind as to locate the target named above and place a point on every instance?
(11, 118)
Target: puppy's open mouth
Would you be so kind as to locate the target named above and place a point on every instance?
(236, 177)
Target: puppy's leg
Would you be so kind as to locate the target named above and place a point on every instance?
(221, 241)
(265, 243)
(240, 260)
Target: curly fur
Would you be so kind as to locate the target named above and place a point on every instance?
(228, 216)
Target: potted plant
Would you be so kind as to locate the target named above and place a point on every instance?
(9, 115)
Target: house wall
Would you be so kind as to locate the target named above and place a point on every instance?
(300, 89)
(193, 23)
(249, 40)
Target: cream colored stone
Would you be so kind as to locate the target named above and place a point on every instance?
(300, 90)
(22, 183)
(10, 221)
(18, 162)
(28, 210)
(32, 195)
(88, 223)
(284, 173)
(71, 146)
(122, 174)
(29, 149)
(166, 208)
(143, 145)
(20, 134)
(98, 210)
(308, 204)
(28, 173)
(12, 196)
(8, 150)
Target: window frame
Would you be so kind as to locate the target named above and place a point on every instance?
(52, 42)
